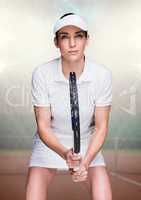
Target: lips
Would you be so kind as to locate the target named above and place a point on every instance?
(73, 52)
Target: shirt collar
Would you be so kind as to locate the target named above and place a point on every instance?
(86, 75)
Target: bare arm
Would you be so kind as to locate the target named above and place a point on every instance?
(99, 136)
(43, 120)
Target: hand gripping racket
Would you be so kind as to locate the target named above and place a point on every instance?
(74, 111)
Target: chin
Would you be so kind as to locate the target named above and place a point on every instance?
(74, 58)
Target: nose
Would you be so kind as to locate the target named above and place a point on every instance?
(72, 42)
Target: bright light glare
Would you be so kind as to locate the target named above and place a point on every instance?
(139, 68)
(2, 66)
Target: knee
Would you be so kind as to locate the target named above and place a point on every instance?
(100, 184)
(38, 180)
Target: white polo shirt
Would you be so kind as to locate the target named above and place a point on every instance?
(51, 88)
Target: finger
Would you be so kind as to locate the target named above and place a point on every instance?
(80, 171)
(74, 162)
(76, 174)
(76, 157)
(81, 177)
(76, 169)
(70, 166)
(83, 168)
(70, 153)
(74, 165)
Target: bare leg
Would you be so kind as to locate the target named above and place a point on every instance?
(99, 183)
(38, 180)
(87, 184)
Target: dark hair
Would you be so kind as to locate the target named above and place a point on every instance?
(66, 14)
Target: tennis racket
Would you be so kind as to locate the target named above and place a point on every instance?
(74, 111)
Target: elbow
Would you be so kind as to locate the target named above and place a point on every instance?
(42, 130)
(102, 130)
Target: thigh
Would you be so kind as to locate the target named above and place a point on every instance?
(38, 180)
(99, 182)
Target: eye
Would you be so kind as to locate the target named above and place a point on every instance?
(79, 35)
(62, 37)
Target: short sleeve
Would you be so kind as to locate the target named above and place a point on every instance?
(39, 90)
(104, 94)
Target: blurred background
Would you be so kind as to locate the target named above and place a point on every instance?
(26, 41)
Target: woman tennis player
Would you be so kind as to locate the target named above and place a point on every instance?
(53, 142)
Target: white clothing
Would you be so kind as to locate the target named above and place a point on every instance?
(51, 88)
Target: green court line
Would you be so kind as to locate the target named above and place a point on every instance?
(123, 151)
(14, 152)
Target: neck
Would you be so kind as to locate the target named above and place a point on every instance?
(76, 67)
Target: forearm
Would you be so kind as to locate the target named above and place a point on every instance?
(50, 139)
(96, 143)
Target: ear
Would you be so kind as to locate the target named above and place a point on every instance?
(56, 42)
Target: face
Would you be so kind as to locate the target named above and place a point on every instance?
(71, 42)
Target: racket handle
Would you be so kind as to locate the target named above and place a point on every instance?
(76, 140)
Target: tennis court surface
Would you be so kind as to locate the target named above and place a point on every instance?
(124, 168)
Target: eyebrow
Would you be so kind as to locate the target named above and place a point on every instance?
(81, 31)
(63, 33)
(66, 33)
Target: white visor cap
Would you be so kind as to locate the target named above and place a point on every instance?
(70, 20)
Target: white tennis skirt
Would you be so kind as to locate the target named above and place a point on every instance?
(43, 156)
